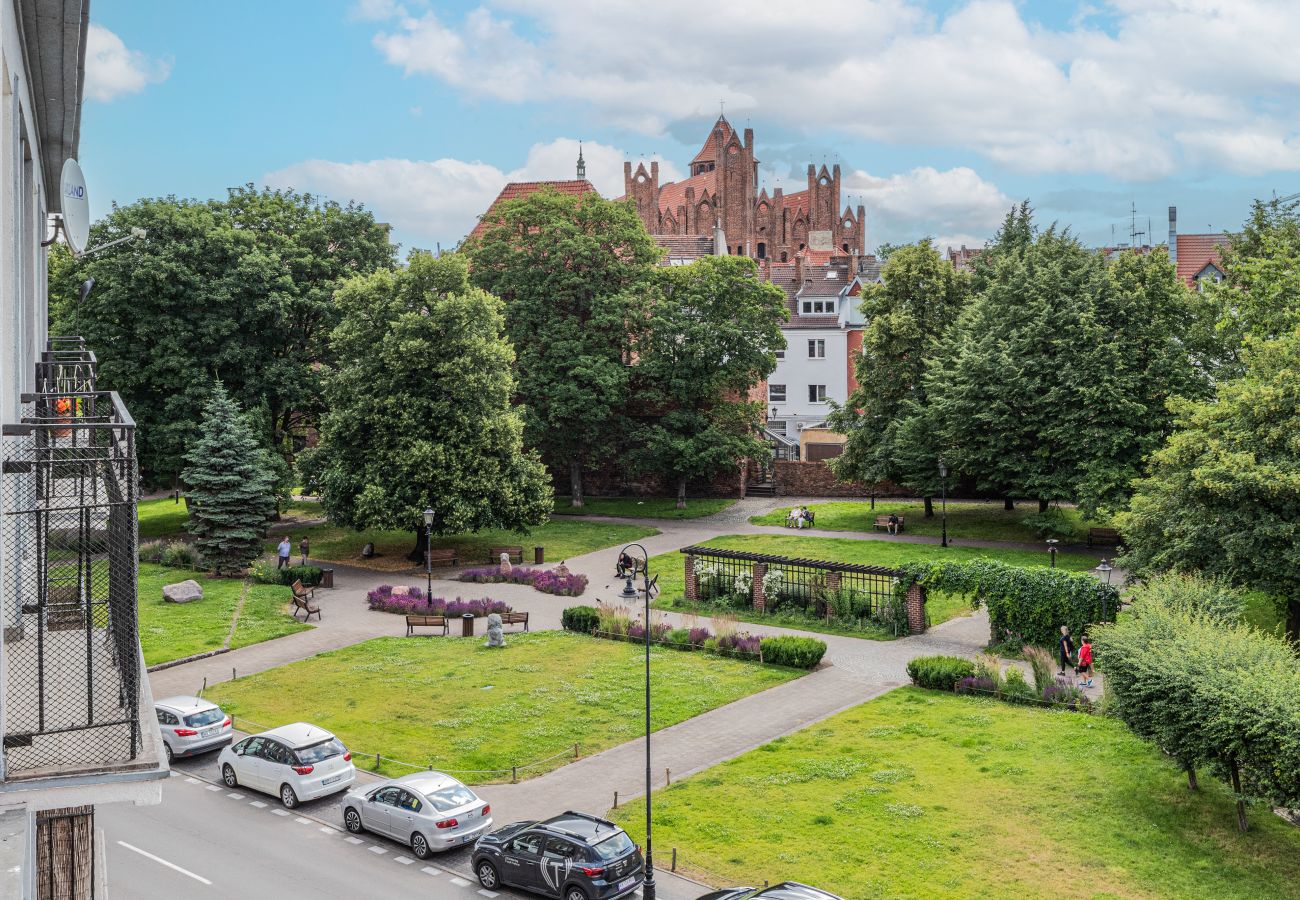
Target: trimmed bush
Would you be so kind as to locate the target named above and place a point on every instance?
(1014, 688)
(545, 580)
(411, 601)
(939, 672)
(264, 572)
(173, 554)
(795, 652)
(582, 619)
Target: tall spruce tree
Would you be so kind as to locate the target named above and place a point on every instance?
(231, 493)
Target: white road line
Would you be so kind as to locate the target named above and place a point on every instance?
(325, 829)
(301, 821)
(214, 787)
(257, 803)
(486, 893)
(189, 780)
(355, 840)
(430, 870)
(459, 882)
(404, 860)
(279, 812)
(158, 859)
(234, 796)
(173, 774)
(377, 849)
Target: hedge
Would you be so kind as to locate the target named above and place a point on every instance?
(265, 573)
(795, 652)
(939, 672)
(582, 619)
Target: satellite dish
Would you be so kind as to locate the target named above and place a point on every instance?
(75, 206)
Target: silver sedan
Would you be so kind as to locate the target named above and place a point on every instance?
(428, 811)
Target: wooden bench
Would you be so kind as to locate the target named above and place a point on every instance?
(301, 591)
(1103, 537)
(882, 522)
(516, 554)
(414, 622)
(448, 557)
(309, 609)
(515, 618)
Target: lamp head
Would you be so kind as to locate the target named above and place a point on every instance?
(943, 469)
(428, 518)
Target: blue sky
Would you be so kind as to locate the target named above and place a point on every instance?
(941, 114)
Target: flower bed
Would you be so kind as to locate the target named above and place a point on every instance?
(548, 581)
(984, 677)
(411, 601)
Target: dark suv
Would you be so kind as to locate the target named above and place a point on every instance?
(573, 856)
(786, 890)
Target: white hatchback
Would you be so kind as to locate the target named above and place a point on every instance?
(296, 762)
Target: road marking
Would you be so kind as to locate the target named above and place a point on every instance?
(355, 840)
(486, 893)
(191, 780)
(173, 774)
(301, 821)
(233, 796)
(459, 882)
(377, 849)
(257, 803)
(214, 787)
(325, 829)
(404, 860)
(279, 812)
(158, 859)
(430, 870)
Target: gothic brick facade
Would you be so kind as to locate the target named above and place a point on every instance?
(722, 189)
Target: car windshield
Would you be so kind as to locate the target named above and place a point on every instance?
(614, 846)
(207, 717)
(450, 798)
(320, 752)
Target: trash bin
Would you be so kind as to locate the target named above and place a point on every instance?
(467, 625)
(327, 578)
(539, 555)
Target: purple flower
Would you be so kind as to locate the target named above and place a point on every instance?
(698, 636)
(414, 602)
(975, 684)
(545, 580)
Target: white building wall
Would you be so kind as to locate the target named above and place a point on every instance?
(797, 371)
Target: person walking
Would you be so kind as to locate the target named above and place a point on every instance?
(304, 548)
(1085, 662)
(1067, 649)
(284, 551)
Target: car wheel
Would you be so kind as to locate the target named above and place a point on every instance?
(574, 893)
(419, 846)
(288, 797)
(352, 821)
(228, 776)
(487, 875)
(168, 748)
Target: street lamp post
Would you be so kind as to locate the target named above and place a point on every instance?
(630, 594)
(943, 480)
(1106, 568)
(1051, 548)
(428, 558)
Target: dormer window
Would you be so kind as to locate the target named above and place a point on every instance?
(818, 307)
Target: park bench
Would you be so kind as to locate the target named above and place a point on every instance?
(309, 609)
(810, 519)
(515, 618)
(301, 591)
(882, 522)
(448, 557)
(413, 622)
(1103, 537)
(516, 554)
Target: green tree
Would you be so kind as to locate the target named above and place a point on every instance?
(238, 289)
(1260, 295)
(569, 270)
(1223, 494)
(419, 412)
(231, 493)
(710, 335)
(907, 315)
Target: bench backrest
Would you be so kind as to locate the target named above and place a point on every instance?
(497, 551)
(426, 620)
(301, 603)
(1104, 532)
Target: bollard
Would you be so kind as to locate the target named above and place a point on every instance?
(205, 685)
(514, 774)
(616, 799)
(674, 868)
(232, 673)
(668, 777)
(575, 751)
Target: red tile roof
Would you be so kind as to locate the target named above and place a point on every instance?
(1195, 251)
(797, 200)
(517, 189)
(685, 246)
(673, 194)
(707, 153)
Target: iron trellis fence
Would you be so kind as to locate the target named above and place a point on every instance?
(68, 488)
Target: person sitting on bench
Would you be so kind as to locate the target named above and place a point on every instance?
(893, 523)
(626, 565)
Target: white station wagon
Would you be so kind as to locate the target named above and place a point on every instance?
(295, 763)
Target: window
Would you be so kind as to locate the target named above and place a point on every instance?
(776, 393)
(818, 307)
(614, 846)
(777, 426)
(559, 848)
(388, 796)
(762, 249)
(817, 349)
(277, 753)
(780, 353)
(453, 797)
(529, 843)
(166, 718)
(251, 747)
(199, 719)
(409, 802)
(321, 752)
(816, 393)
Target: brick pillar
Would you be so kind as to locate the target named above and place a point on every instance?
(692, 587)
(832, 587)
(916, 608)
(760, 569)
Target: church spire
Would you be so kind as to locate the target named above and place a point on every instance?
(582, 165)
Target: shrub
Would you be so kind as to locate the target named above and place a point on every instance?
(1061, 693)
(795, 652)
(1014, 688)
(976, 684)
(1042, 664)
(582, 619)
(939, 672)
(1052, 523)
(264, 572)
(545, 580)
(679, 637)
(411, 601)
(174, 554)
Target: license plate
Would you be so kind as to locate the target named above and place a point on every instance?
(467, 838)
(332, 779)
(209, 732)
(627, 882)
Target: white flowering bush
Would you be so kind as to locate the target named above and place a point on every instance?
(773, 586)
(742, 586)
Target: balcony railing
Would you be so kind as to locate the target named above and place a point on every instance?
(68, 488)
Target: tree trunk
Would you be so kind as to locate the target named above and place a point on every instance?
(1236, 789)
(421, 543)
(681, 493)
(1191, 779)
(929, 507)
(1008, 504)
(1042, 505)
(575, 483)
(1293, 622)
(873, 501)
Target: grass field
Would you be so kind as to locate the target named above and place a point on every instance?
(174, 630)
(920, 794)
(454, 704)
(972, 520)
(644, 507)
(670, 567)
(562, 540)
(162, 518)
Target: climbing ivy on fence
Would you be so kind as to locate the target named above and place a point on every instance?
(1026, 605)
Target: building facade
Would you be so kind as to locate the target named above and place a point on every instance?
(76, 715)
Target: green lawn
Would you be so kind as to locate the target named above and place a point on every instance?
(644, 507)
(670, 567)
(982, 521)
(454, 704)
(922, 794)
(173, 630)
(562, 540)
(162, 518)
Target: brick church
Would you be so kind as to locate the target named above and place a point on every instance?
(722, 191)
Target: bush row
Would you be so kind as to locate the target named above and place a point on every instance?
(174, 554)
(983, 677)
(411, 601)
(265, 572)
(548, 581)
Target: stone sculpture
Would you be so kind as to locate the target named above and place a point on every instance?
(495, 633)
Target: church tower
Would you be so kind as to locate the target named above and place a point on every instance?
(582, 165)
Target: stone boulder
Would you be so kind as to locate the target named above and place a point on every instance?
(183, 592)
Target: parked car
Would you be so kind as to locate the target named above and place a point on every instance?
(297, 762)
(786, 890)
(191, 725)
(429, 811)
(573, 856)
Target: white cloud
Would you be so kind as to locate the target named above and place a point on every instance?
(113, 70)
(1136, 89)
(953, 207)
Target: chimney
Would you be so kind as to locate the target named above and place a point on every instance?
(1173, 235)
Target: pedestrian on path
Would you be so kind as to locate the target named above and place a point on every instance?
(1067, 649)
(304, 548)
(1085, 662)
(283, 552)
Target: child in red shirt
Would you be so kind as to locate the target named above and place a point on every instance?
(1085, 663)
